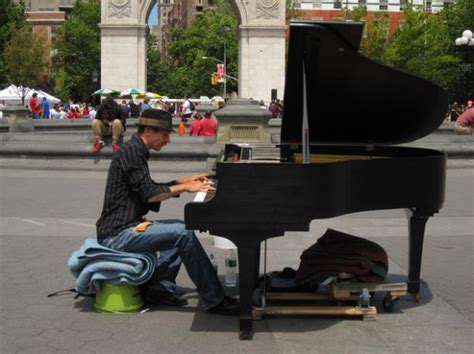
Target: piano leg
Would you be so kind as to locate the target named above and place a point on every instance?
(417, 221)
(249, 262)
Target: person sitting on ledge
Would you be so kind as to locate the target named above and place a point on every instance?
(465, 122)
(106, 123)
(130, 193)
(208, 127)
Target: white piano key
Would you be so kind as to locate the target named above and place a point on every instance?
(200, 196)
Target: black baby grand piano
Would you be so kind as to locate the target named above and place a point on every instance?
(356, 110)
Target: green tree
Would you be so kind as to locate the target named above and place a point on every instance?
(422, 46)
(12, 17)
(158, 77)
(27, 60)
(459, 16)
(291, 12)
(78, 52)
(190, 73)
(225, 7)
(375, 31)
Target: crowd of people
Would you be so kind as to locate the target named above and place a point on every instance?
(275, 107)
(110, 119)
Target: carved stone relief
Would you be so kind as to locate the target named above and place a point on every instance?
(119, 8)
(267, 9)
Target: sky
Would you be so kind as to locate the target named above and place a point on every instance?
(153, 19)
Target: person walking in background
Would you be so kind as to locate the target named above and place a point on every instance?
(134, 110)
(107, 122)
(187, 108)
(124, 111)
(45, 108)
(208, 125)
(274, 109)
(34, 106)
(145, 105)
(54, 112)
(454, 112)
(195, 128)
(62, 113)
(92, 112)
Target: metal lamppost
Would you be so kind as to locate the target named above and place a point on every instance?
(95, 76)
(224, 30)
(466, 44)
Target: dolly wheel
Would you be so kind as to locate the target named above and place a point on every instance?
(389, 303)
(258, 297)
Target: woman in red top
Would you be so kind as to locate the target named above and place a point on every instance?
(195, 127)
(208, 125)
(71, 114)
(77, 113)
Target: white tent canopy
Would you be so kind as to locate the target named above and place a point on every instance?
(12, 93)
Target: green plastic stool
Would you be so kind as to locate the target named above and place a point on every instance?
(118, 298)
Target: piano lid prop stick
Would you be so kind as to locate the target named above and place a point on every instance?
(305, 128)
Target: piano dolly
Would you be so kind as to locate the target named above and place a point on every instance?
(353, 292)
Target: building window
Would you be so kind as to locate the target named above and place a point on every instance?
(337, 5)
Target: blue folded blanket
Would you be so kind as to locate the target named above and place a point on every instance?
(93, 263)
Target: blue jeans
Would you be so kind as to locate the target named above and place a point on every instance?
(176, 245)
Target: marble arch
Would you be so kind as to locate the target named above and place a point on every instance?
(261, 45)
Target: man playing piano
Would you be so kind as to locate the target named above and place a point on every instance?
(130, 193)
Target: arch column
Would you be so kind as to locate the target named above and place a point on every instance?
(123, 43)
(261, 48)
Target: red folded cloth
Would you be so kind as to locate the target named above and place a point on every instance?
(337, 252)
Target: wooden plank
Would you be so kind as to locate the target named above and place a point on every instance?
(370, 312)
(356, 287)
(271, 296)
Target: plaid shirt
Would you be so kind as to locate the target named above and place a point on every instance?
(129, 186)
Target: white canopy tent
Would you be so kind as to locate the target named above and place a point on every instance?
(12, 95)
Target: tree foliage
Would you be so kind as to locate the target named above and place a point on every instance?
(188, 72)
(158, 77)
(375, 31)
(27, 59)
(78, 52)
(12, 17)
(291, 12)
(459, 17)
(422, 46)
(225, 7)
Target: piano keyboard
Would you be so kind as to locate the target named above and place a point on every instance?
(201, 197)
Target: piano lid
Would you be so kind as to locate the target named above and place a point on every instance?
(352, 99)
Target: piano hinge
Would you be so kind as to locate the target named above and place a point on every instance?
(294, 146)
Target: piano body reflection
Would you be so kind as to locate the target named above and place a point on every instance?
(357, 109)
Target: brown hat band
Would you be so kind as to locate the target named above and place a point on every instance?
(149, 122)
